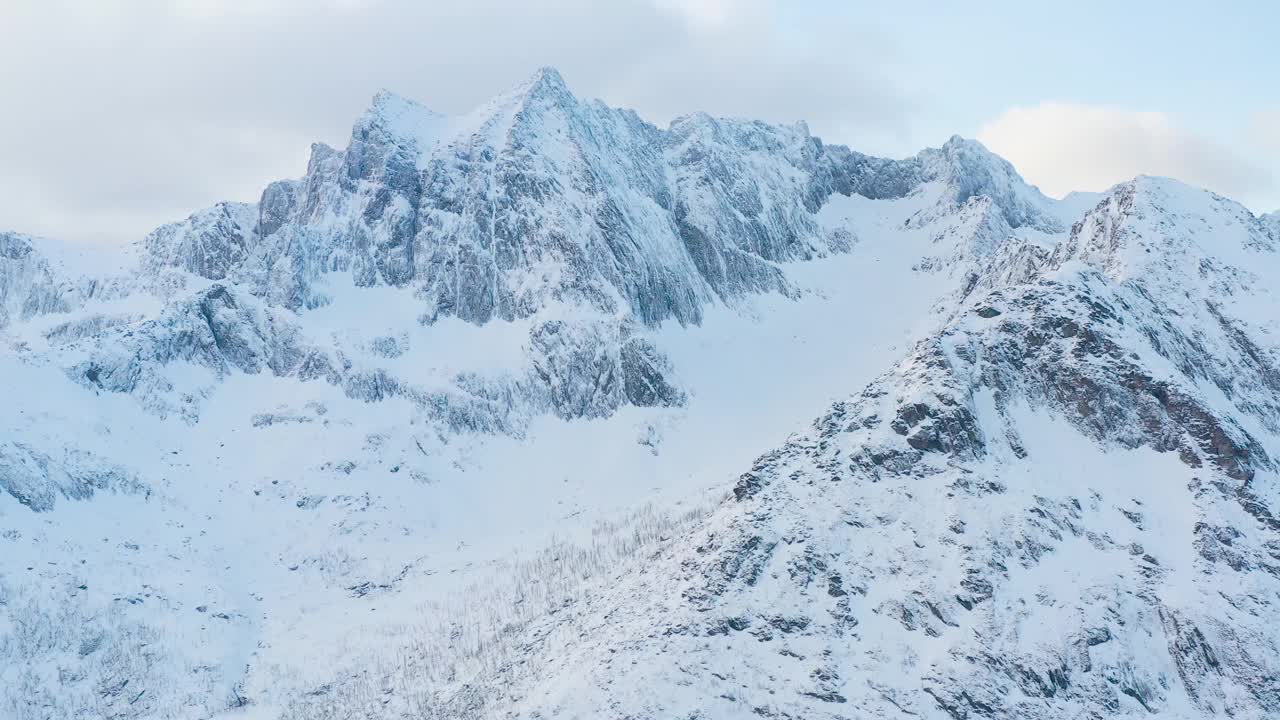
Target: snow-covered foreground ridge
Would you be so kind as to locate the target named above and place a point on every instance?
(507, 415)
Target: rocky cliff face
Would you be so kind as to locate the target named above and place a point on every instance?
(29, 285)
(1059, 504)
(539, 197)
(373, 387)
(1272, 220)
(536, 205)
(210, 243)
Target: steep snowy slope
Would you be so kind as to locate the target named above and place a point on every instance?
(444, 428)
(39, 276)
(283, 495)
(1273, 221)
(1058, 505)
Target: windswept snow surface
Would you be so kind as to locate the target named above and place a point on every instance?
(285, 495)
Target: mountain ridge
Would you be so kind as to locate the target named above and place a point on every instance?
(384, 157)
(511, 415)
(789, 600)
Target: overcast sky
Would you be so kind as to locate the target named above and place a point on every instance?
(118, 115)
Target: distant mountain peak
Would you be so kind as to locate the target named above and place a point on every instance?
(546, 84)
(1161, 232)
(547, 77)
(388, 105)
(1272, 220)
(972, 170)
(396, 119)
(957, 141)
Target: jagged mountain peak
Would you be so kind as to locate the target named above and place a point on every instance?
(959, 143)
(209, 243)
(971, 170)
(970, 157)
(68, 259)
(410, 202)
(1272, 221)
(545, 79)
(690, 122)
(39, 275)
(14, 245)
(388, 103)
(401, 117)
(395, 119)
(493, 121)
(739, 134)
(1157, 227)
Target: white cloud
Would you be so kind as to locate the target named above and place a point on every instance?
(709, 13)
(129, 113)
(1063, 147)
(1264, 133)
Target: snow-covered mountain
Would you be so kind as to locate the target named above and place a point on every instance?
(509, 415)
